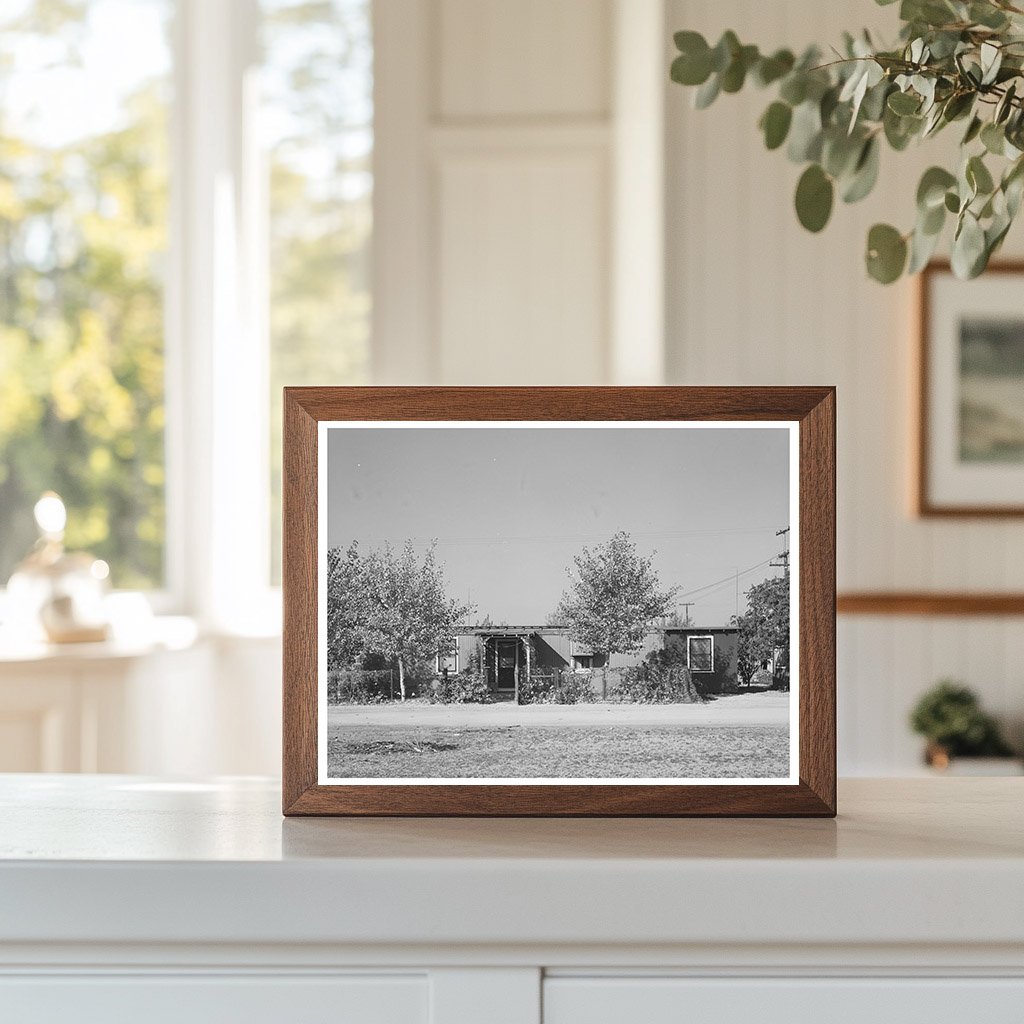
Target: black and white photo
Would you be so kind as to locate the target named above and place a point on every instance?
(538, 602)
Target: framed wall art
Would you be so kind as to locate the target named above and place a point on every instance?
(970, 444)
(559, 601)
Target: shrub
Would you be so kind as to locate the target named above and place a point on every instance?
(557, 688)
(949, 715)
(359, 686)
(659, 680)
(459, 688)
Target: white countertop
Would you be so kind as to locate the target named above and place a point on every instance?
(122, 859)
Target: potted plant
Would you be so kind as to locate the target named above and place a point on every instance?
(950, 718)
(956, 62)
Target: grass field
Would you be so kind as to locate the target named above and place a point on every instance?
(356, 750)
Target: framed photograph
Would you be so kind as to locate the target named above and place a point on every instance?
(970, 450)
(559, 601)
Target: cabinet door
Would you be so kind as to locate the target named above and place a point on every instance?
(202, 999)
(783, 1000)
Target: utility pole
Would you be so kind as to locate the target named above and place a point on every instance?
(737, 592)
(687, 605)
(783, 555)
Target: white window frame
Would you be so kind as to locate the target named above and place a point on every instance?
(439, 658)
(216, 337)
(700, 636)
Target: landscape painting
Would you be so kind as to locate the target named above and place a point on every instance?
(535, 603)
(991, 389)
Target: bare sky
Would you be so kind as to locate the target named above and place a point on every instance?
(510, 507)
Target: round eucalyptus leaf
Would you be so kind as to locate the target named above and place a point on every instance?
(931, 221)
(805, 133)
(794, 89)
(887, 253)
(735, 74)
(978, 176)
(725, 50)
(693, 65)
(707, 93)
(771, 69)
(903, 103)
(814, 194)
(958, 106)
(897, 129)
(968, 255)
(952, 202)
(931, 191)
(993, 138)
(865, 173)
(840, 152)
(775, 123)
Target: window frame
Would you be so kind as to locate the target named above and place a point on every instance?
(710, 637)
(216, 342)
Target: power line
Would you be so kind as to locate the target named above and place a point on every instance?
(728, 579)
(656, 535)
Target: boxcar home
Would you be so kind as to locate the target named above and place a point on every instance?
(508, 653)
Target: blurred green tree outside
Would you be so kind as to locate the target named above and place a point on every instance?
(318, 120)
(83, 242)
(83, 230)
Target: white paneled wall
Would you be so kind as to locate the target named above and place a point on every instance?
(497, 163)
(753, 299)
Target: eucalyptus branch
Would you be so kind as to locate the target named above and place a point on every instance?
(955, 61)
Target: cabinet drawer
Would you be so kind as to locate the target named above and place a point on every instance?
(783, 1000)
(202, 999)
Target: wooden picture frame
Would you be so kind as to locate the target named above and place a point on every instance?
(809, 414)
(941, 489)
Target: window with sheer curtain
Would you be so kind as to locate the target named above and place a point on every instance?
(99, 164)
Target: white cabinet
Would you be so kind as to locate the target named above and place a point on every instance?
(127, 899)
(828, 1000)
(202, 999)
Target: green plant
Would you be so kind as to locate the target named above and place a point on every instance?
(956, 61)
(949, 715)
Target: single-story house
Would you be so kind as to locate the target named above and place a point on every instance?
(507, 653)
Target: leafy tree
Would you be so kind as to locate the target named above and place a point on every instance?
(347, 618)
(747, 661)
(764, 627)
(956, 61)
(404, 612)
(613, 597)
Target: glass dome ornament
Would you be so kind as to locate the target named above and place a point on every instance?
(56, 595)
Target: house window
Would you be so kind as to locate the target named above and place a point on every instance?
(582, 662)
(448, 661)
(700, 653)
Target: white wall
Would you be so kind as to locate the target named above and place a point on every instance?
(499, 166)
(754, 299)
